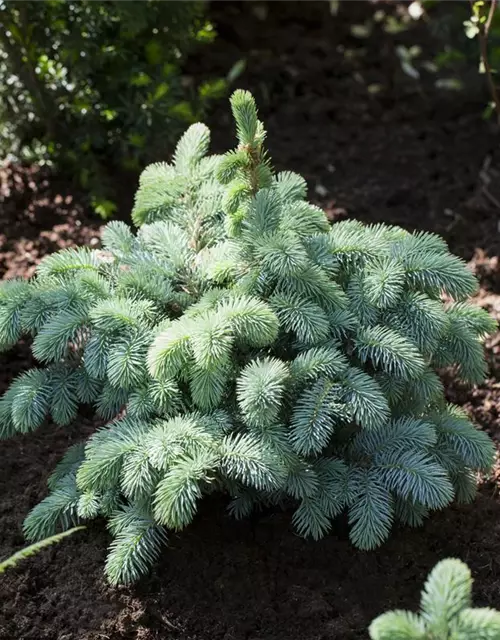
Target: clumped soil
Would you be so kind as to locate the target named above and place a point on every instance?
(39, 214)
(409, 155)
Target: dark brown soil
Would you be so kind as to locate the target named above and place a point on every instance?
(38, 215)
(409, 155)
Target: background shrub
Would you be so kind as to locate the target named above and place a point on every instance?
(96, 86)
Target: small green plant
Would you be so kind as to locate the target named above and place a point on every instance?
(34, 548)
(446, 611)
(239, 344)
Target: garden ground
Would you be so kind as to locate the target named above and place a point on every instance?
(408, 155)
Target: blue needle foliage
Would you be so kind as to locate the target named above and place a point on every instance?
(238, 343)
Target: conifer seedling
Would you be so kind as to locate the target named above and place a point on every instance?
(238, 343)
(446, 611)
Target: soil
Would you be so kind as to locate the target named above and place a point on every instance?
(409, 155)
(39, 214)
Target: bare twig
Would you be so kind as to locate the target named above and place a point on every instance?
(490, 17)
(484, 30)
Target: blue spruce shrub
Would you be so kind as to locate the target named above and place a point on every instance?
(238, 343)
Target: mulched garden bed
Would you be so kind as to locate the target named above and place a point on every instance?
(409, 155)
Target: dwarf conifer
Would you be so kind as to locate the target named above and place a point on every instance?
(238, 343)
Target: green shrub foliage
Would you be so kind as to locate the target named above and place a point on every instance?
(96, 86)
(238, 343)
(446, 611)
